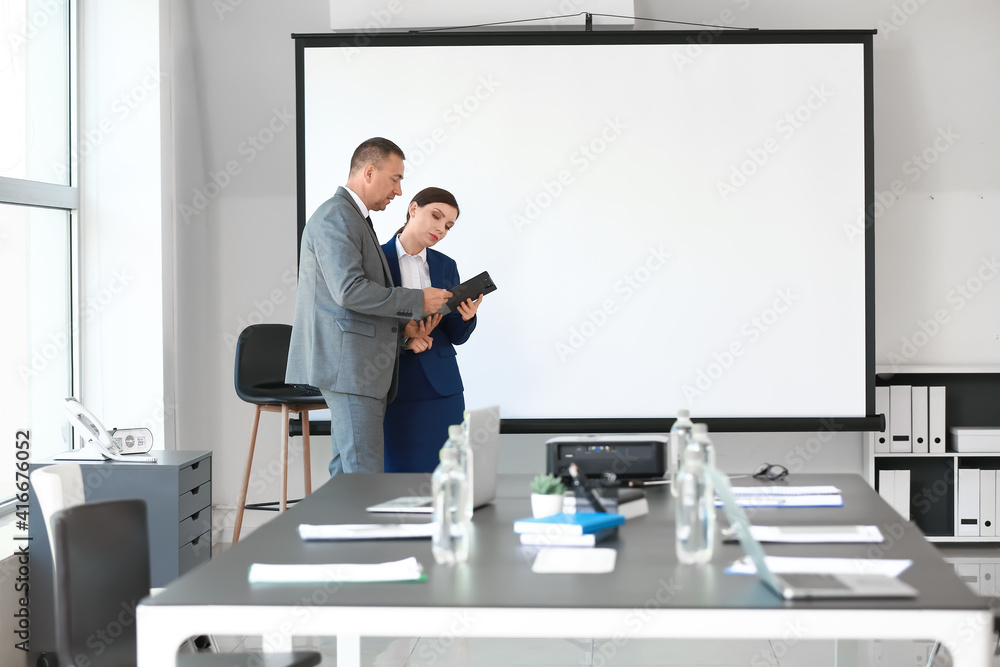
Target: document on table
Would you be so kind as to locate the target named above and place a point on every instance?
(408, 569)
(786, 500)
(366, 531)
(739, 491)
(786, 565)
(574, 561)
(816, 534)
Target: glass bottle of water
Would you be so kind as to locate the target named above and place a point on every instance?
(450, 539)
(695, 503)
(680, 435)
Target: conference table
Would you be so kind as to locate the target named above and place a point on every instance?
(648, 595)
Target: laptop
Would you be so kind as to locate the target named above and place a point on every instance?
(804, 586)
(484, 439)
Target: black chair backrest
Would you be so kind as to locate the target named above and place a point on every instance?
(261, 357)
(102, 571)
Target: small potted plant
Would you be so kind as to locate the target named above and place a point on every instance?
(546, 496)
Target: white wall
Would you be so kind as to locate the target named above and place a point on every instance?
(232, 76)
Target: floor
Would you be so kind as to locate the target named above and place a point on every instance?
(783, 652)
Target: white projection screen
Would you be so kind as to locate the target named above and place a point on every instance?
(671, 221)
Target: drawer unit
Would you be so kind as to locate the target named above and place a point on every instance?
(196, 552)
(194, 525)
(178, 494)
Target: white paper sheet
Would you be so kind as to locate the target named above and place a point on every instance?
(782, 564)
(817, 534)
(784, 490)
(574, 561)
(407, 569)
(788, 501)
(366, 531)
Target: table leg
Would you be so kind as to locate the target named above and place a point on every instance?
(348, 650)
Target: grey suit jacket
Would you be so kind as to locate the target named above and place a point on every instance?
(349, 318)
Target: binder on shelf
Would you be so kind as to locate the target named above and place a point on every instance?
(996, 503)
(968, 503)
(969, 574)
(987, 579)
(887, 486)
(936, 419)
(899, 418)
(918, 419)
(987, 503)
(882, 408)
(901, 491)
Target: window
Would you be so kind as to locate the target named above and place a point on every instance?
(38, 203)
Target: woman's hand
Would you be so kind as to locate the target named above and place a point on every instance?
(419, 333)
(469, 307)
(422, 328)
(420, 344)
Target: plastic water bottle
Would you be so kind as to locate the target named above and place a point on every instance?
(458, 440)
(680, 435)
(450, 540)
(469, 467)
(695, 504)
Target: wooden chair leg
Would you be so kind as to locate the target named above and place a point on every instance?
(241, 503)
(306, 465)
(284, 457)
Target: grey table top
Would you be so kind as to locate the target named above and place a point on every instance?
(498, 574)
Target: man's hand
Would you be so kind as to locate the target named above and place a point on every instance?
(469, 307)
(434, 298)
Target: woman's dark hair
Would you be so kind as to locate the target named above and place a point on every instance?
(431, 196)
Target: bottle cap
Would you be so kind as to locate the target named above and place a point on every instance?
(684, 413)
(699, 429)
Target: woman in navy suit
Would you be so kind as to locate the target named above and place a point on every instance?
(429, 398)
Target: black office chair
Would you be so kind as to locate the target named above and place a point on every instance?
(102, 572)
(261, 357)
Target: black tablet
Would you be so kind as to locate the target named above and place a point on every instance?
(470, 289)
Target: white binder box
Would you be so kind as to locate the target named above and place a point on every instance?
(936, 419)
(881, 438)
(968, 502)
(918, 417)
(899, 418)
(968, 439)
(987, 503)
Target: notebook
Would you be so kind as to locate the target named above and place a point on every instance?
(804, 586)
(569, 524)
(484, 439)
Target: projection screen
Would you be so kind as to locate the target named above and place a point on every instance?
(671, 221)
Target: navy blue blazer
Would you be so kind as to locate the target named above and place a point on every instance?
(438, 363)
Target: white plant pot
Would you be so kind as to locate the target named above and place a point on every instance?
(546, 504)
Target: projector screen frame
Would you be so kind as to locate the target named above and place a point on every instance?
(574, 36)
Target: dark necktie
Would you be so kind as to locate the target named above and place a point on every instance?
(369, 220)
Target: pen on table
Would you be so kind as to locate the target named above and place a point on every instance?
(636, 483)
(588, 492)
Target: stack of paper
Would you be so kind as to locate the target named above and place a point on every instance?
(787, 565)
(366, 531)
(569, 524)
(407, 569)
(787, 496)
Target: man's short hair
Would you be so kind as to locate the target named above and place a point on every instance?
(374, 151)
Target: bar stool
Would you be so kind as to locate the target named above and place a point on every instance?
(261, 357)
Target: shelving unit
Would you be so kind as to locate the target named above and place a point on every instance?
(972, 399)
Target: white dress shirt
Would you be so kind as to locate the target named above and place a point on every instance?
(357, 200)
(413, 269)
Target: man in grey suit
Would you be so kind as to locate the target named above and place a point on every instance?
(349, 319)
